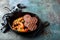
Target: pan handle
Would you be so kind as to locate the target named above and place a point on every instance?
(46, 23)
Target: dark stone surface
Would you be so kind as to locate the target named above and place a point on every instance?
(47, 10)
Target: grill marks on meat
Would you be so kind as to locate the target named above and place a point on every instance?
(33, 20)
(32, 27)
(30, 22)
(26, 24)
(27, 18)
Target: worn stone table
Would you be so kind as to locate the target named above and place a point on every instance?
(47, 10)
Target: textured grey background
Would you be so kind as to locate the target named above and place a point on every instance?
(47, 10)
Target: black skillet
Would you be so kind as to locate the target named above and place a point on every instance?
(10, 17)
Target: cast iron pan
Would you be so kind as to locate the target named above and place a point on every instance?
(20, 14)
